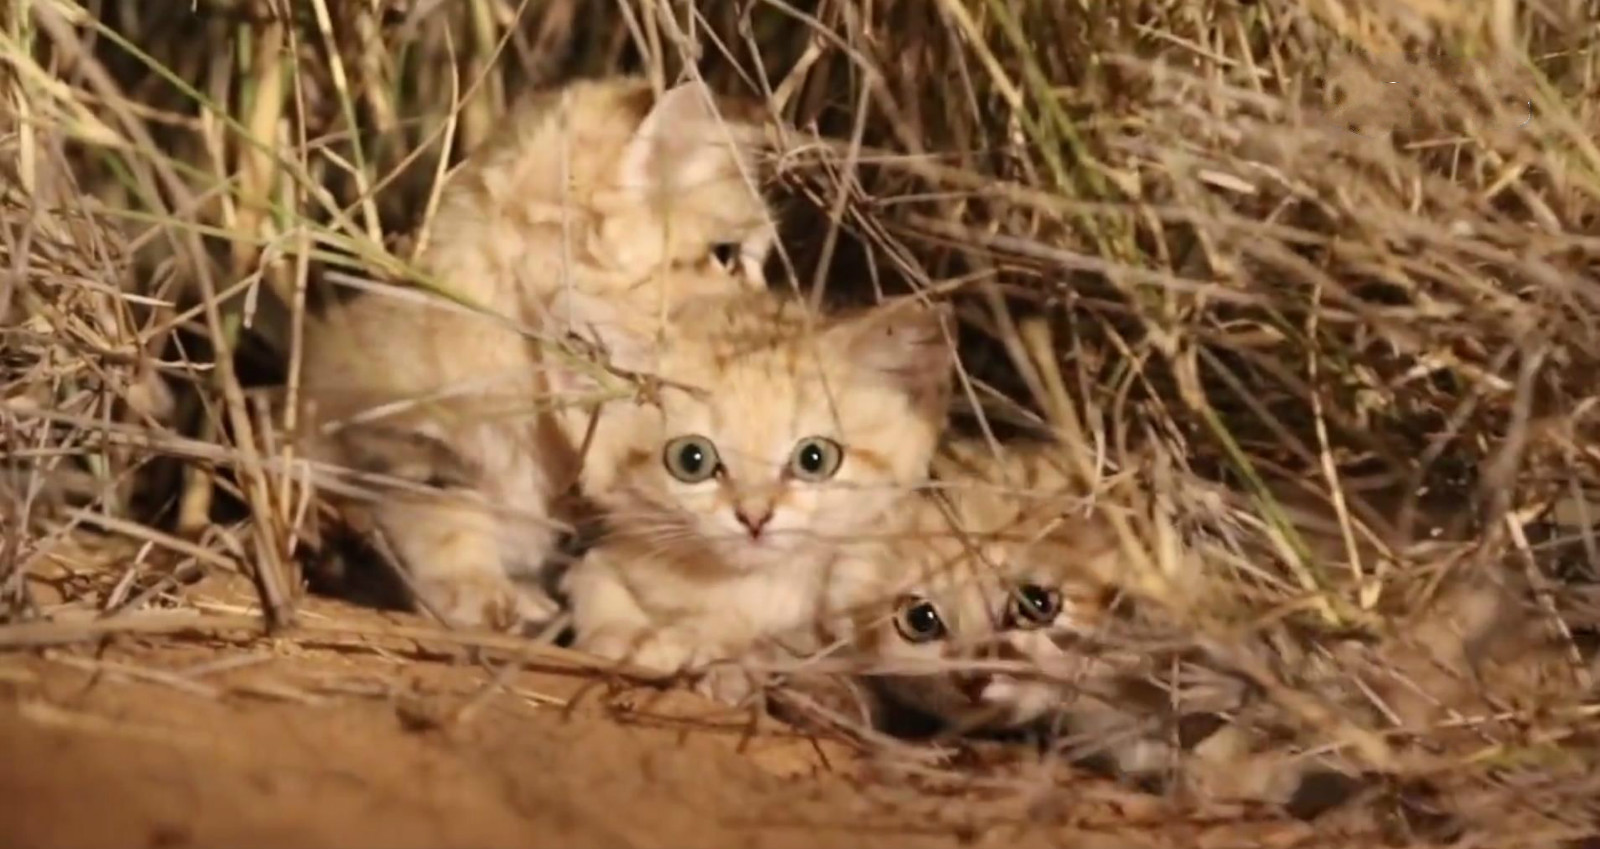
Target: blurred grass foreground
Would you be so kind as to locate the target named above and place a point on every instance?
(1335, 262)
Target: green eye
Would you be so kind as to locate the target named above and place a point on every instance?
(816, 458)
(691, 459)
(917, 620)
(1033, 606)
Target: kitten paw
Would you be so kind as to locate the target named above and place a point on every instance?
(487, 602)
(663, 652)
(666, 652)
(727, 683)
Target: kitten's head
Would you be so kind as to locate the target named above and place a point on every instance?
(776, 433)
(1008, 584)
(684, 191)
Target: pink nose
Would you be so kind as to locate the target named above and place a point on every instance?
(753, 522)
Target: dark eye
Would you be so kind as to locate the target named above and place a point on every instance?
(1033, 606)
(816, 458)
(917, 620)
(726, 254)
(691, 459)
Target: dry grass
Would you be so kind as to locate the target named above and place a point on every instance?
(1335, 258)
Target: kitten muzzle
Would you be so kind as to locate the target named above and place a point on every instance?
(973, 685)
(979, 687)
(753, 517)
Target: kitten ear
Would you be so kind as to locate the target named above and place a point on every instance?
(681, 142)
(603, 326)
(904, 341)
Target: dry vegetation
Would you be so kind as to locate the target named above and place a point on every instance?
(1354, 321)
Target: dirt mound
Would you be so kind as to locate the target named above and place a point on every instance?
(327, 738)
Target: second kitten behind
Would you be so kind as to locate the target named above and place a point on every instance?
(1013, 620)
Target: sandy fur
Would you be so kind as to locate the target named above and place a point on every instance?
(677, 580)
(1003, 521)
(995, 524)
(590, 188)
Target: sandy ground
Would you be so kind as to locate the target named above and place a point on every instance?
(314, 740)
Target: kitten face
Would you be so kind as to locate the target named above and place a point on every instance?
(1014, 594)
(684, 192)
(771, 441)
(604, 185)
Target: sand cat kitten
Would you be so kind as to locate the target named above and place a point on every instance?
(784, 443)
(598, 187)
(996, 574)
(1021, 578)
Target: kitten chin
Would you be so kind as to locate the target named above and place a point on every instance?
(564, 197)
(805, 433)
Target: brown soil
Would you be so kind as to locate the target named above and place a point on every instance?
(308, 740)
